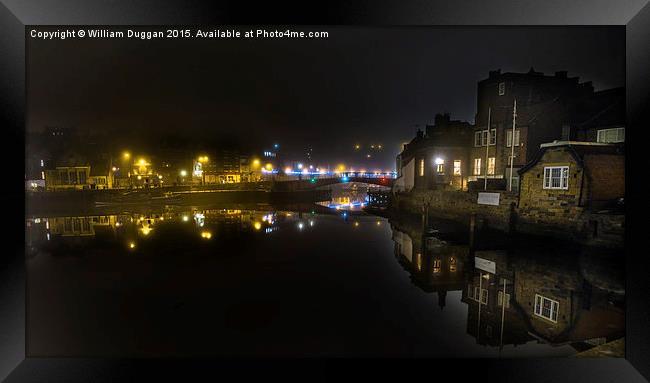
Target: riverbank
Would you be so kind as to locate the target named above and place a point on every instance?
(585, 227)
(85, 202)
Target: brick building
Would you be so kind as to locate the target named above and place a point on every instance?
(544, 103)
(436, 158)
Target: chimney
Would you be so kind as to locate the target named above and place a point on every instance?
(495, 73)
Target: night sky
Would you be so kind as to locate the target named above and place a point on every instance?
(360, 85)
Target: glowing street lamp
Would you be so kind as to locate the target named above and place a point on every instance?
(126, 155)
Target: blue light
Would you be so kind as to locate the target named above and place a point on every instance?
(345, 179)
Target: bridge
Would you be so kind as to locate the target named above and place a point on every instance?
(306, 181)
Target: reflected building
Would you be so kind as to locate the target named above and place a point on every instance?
(492, 318)
(435, 265)
(562, 307)
(546, 299)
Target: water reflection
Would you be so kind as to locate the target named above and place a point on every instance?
(371, 286)
(520, 294)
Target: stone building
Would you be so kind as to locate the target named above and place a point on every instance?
(567, 177)
(437, 157)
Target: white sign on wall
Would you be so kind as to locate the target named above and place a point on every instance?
(485, 265)
(488, 199)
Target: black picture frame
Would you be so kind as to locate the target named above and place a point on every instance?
(16, 14)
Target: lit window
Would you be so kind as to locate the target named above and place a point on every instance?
(502, 88)
(477, 166)
(611, 135)
(493, 137)
(556, 177)
(546, 308)
(436, 266)
(440, 166)
(457, 167)
(452, 264)
(42, 163)
(509, 138)
(491, 165)
(418, 260)
(500, 299)
(421, 167)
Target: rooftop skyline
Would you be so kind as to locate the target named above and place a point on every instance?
(358, 86)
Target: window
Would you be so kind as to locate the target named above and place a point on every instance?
(456, 167)
(73, 177)
(422, 167)
(474, 294)
(509, 137)
(500, 299)
(482, 137)
(418, 261)
(477, 166)
(68, 224)
(611, 135)
(452, 264)
(491, 165)
(82, 177)
(440, 166)
(436, 266)
(502, 88)
(556, 177)
(546, 308)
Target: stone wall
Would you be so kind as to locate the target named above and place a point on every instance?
(458, 205)
(569, 223)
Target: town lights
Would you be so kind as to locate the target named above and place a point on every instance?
(299, 166)
(439, 161)
(287, 170)
(183, 173)
(114, 169)
(131, 245)
(256, 162)
(257, 225)
(206, 235)
(126, 155)
(203, 159)
(268, 166)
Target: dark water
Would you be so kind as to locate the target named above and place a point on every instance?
(268, 281)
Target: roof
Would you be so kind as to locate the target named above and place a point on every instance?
(577, 149)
